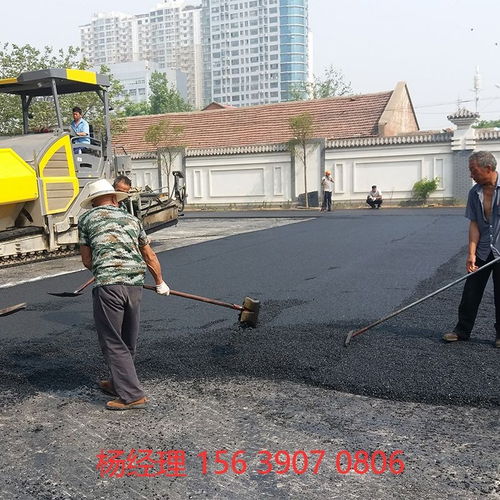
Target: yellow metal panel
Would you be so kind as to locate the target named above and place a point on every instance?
(17, 179)
(81, 75)
(62, 144)
(6, 81)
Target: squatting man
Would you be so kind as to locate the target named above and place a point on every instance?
(114, 246)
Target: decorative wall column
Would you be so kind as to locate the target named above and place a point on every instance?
(462, 145)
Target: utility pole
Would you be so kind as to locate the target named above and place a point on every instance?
(477, 87)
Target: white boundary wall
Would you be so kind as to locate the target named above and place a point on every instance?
(257, 179)
(393, 170)
(248, 176)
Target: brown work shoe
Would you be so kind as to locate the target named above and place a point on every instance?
(118, 404)
(452, 337)
(107, 387)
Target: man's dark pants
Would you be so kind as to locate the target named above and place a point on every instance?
(327, 201)
(374, 203)
(472, 295)
(117, 315)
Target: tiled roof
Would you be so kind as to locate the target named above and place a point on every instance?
(334, 118)
(463, 113)
(217, 105)
(487, 134)
(420, 137)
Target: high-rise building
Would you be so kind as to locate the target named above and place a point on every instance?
(135, 77)
(169, 35)
(110, 37)
(254, 51)
(175, 42)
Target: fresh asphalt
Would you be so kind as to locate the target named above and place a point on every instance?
(316, 280)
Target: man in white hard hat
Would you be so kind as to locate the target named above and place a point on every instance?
(114, 246)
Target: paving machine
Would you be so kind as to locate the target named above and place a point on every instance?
(44, 176)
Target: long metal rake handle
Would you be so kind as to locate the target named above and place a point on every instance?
(200, 298)
(351, 334)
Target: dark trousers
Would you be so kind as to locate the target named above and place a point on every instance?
(374, 203)
(327, 201)
(117, 315)
(472, 295)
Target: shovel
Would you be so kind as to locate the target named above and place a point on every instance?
(75, 293)
(12, 309)
(249, 311)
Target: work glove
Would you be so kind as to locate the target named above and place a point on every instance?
(162, 289)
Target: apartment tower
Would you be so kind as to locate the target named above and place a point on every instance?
(254, 51)
(168, 35)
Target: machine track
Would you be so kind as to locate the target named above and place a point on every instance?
(20, 259)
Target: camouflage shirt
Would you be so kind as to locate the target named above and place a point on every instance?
(114, 238)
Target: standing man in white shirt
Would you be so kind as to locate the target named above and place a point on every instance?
(327, 185)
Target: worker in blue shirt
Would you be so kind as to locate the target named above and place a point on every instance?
(483, 212)
(80, 128)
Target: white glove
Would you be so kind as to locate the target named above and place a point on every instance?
(162, 289)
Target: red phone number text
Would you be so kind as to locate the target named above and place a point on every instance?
(300, 462)
(173, 463)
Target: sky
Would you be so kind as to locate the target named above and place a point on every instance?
(434, 46)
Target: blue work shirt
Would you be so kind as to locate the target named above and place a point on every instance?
(81, 126)
(489, 230)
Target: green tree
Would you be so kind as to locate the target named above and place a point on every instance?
(137, 108)
(16, 59)
(166, 138)
(302, 128)
(487, 124)
(423, 188)
(331, 84)
(164, 97)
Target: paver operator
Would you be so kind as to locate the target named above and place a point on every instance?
(81, 129)
(114, 246)
(483, 211)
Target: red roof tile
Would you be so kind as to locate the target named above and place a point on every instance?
(217, 105)
(334, 118)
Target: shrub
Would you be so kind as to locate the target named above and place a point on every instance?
(423, 188)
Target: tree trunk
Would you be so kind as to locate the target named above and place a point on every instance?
(160, 171)
(305, 176)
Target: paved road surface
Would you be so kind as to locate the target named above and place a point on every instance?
(287, 385)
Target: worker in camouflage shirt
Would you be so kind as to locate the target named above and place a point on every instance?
(114, 246)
